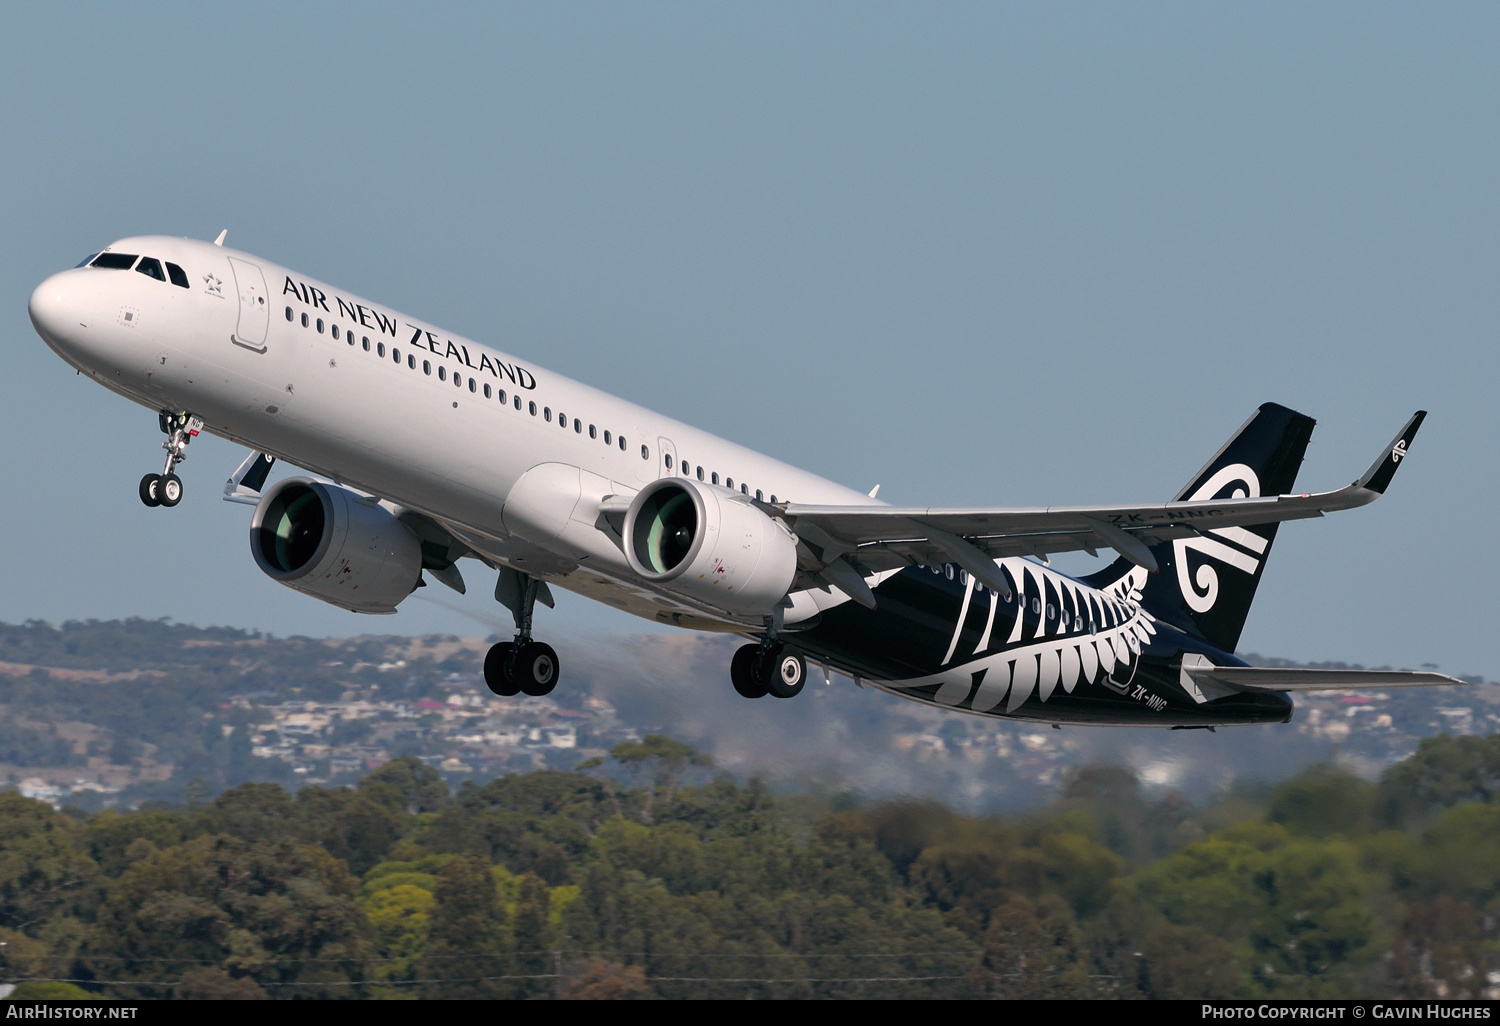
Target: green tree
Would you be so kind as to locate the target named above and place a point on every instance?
(1323, 801)
(656, 762)
(1440, 952)
(1185, 962)
(353, 825)
(1031, 950)
(111, 835)
(1296, 910)
(275, 913)
(1445, 771)
(532, 930)
(467, 954)
(1458, 856)
(407, 785)
(43, 867)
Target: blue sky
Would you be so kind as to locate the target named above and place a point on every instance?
(996, 254)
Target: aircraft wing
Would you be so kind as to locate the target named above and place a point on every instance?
(862, 540)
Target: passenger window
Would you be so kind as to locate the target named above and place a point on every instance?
(607, 439)
(577, 426)
(304, 320)
(335, 331)
(458, 380)
(621, 440)
(645, 452)
(758, 497)
(501, 397)
(486, 389)
(773, 498)
(151, 268)
(667, 459)
(531, 407)
(364, 342)
(380, 350)
(547, 414)
(592, 432)
(426, 366)
(395, 354)
(349, 337)
(745, 490)
(442, 373)
(729, 483)
(179, 278)
(115, 261)
(473, 385)
(714, 477)
(288, 313)
(700, 473)
(562, 419)
(320, 328)
(411, 361)
(518, 403)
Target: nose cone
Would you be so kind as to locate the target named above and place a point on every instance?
(50, 309)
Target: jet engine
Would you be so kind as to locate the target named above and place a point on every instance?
(710, 545)
(335, 545)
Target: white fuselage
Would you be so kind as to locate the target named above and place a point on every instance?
(393, 406)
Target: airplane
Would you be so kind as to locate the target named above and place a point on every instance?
(424, 448)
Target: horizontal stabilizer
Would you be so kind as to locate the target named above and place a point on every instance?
(1265, 678)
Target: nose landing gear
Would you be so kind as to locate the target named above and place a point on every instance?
(522, 666)
(165, 489)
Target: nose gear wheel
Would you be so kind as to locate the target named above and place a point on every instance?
(165, 489)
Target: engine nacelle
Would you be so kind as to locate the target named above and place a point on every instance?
(710, 545)
(335, 545)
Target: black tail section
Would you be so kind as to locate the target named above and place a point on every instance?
(1207, 583)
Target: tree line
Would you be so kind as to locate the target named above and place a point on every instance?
(648, 875)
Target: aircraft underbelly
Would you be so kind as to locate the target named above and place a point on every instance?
(924, 643)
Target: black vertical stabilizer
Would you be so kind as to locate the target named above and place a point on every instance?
(1207, 582)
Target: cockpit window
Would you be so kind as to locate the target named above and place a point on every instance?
(115, 261)
(179, 277)
(86, 260)
(151, 268)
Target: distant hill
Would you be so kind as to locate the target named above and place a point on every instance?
(119, 712)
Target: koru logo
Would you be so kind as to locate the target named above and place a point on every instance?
(1398, 451)
(1200, 590)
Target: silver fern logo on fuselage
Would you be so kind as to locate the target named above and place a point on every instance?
(1240, 548)
(1080, 636)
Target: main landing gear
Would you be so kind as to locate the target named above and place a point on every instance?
(769, 667)
(165, 489)
(522, 666)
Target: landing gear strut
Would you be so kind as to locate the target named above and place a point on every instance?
(521, 666)
(165, 489)
(770, 667)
